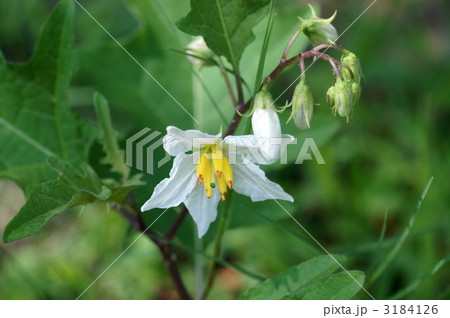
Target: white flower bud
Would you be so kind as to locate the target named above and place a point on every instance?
(199, 48)
(266, 127)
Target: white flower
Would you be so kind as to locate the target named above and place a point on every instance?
(201, 178)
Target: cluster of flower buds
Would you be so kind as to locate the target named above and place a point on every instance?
(345, 92)
(319, 30)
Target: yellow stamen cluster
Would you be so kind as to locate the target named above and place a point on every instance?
(219, 172)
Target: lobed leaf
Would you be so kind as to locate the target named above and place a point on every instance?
(35, 121)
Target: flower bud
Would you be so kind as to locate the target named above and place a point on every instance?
(266, 127)
(356, 92)
(352, 61)
(341, 98)
(302, 105)
(319, 30)
(199, 48)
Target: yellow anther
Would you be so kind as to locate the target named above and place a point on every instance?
(227, 172)
(217, 157)
(222, 185)
(218, 173)
(207, 174)
(201, 167)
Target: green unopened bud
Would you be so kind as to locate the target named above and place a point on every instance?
(319, 30)
(263, 100)
(199, 48)
(341, 98)
(352, 61)
(302, 105)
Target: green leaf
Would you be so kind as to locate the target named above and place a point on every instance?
(226, 25)
(72, 188)
(52, 63)
(119, 193)
(35, 121)
(339, 286)
(289, 282)
(49, 199)
(108, 138)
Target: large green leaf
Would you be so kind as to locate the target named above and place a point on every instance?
(71, 188)
(291, 281)
(338, 286)
(226, 25)
(35, 121)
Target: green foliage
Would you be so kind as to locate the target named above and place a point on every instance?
(400, 126)
(49, 199)
(108, 138)
(226, 25)
(309, 280)
(125, 83)
(340, 286)
(72, 188)
(381, 267)
(35, 121)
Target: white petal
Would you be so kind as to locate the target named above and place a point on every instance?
(202, 209)
(249, 148)
(251, 181)
(174, 190)
(180, 141)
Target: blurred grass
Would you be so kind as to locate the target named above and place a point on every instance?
(396, 140)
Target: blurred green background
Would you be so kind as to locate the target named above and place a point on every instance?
(381, 160)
